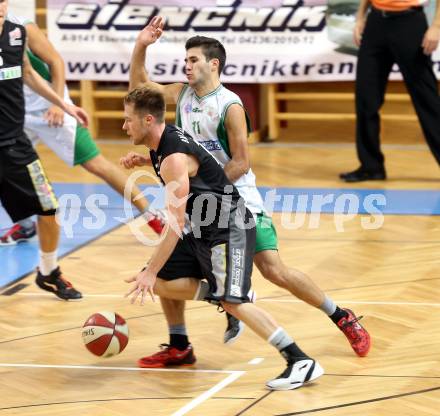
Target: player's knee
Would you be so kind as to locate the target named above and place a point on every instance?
(48, 219)
(229, 307)
(160, 288)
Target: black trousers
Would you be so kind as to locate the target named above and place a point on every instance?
(387, 40)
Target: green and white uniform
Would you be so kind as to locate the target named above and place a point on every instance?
(71, 142)
(204, 119)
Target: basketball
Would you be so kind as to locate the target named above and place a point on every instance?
(105, 334)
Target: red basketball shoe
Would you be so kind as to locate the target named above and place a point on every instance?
(168, 356)
(17, 234)
(356, 334)
(156, 221)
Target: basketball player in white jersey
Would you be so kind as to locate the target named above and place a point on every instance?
(215, 117)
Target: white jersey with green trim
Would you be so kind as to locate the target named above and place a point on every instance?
(204, 119)
(34, 101)
(61, 140)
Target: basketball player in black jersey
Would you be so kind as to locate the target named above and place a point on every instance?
(24, 188)
(210, 259)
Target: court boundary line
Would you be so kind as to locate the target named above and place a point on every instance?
(73, 250)
(262, 299)
(360, 302)
(350, 404)
(201, 398)
(207, 394)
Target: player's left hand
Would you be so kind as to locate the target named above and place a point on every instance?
(78, 113)
(431, 39)
(144, 283)
(54, 116)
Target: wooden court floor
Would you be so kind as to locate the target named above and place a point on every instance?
(391, 276)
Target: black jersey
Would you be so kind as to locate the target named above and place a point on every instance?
(12, 110)
(214, 201)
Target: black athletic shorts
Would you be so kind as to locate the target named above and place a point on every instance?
(24, 188)
(227, 266)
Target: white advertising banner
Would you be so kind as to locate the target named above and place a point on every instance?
(265, 40)
(23, 8)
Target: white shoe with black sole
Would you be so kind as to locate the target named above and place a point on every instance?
(296, 375)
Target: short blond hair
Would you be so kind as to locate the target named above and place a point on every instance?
(147, 100)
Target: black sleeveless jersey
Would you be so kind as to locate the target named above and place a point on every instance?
(214, 201)
(12, 44)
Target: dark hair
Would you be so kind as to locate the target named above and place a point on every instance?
(147, 100)
(211, 48)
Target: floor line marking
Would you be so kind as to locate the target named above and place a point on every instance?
(256, 361)
(358, 302)
(91, 295)
(354, 302)
(109, 368)
(233, 375)
(207, 394)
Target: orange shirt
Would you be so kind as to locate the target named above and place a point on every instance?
(396, 5)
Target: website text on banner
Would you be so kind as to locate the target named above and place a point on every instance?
(266, 40)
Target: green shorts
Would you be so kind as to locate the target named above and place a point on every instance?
(85, 147)
(266, 234)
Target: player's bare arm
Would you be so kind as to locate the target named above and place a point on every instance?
(34, 81)
(236, 128)
(175, 170)
(43, 48)
(138, 74)
(361, 17)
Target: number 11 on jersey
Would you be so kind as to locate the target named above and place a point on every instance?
(196, 127)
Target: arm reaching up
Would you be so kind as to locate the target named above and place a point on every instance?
(138, 74)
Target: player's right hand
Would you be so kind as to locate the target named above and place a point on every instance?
(134, 159)
(153, 31)
(54, 116)
(78, 113)
(143, 283)
(358, 30)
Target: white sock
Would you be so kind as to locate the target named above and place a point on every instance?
(328, 306)
(280, 339)
(148, 214)
(48, 262)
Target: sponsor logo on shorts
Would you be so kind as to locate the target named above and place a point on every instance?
(42, 186)
(237, 271)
